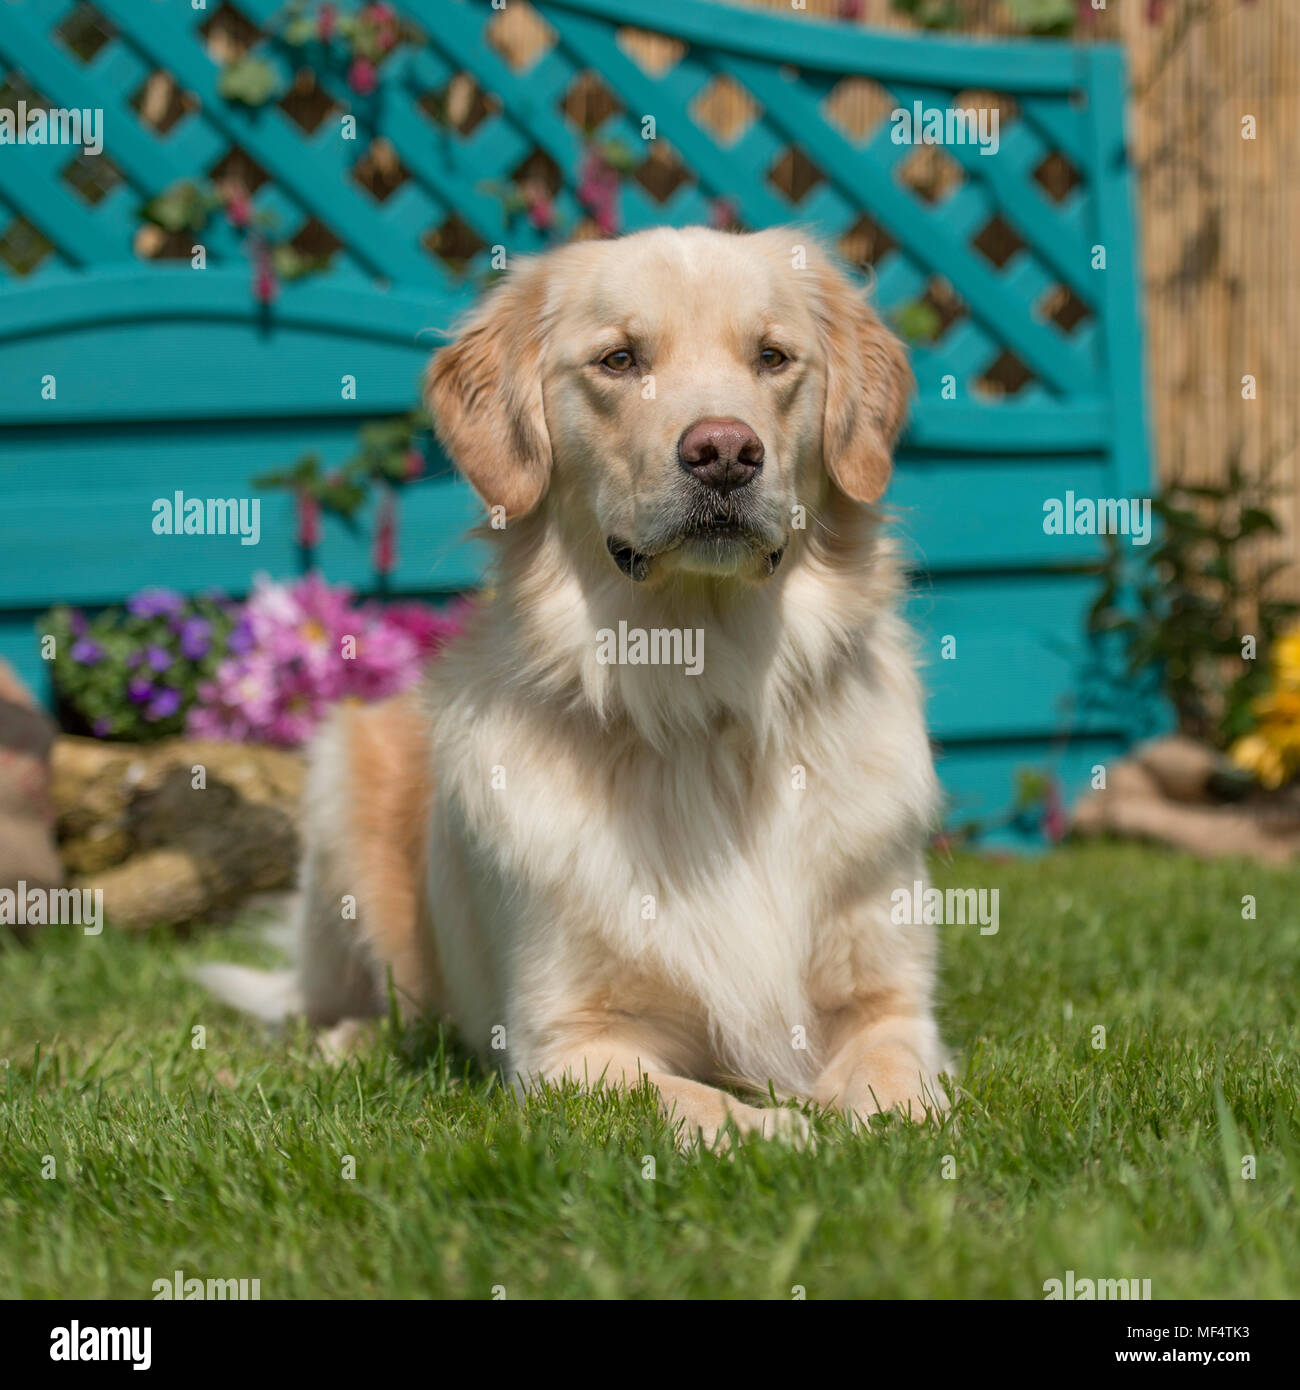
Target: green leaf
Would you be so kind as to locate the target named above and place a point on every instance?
(180, 208)
(297, 475)
(252, 81)
(300, 31)
(1043, 16)
(919, 322)
(617, 155)
(1256, 519)
(292, 264)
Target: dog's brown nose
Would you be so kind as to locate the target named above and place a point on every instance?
(722, 454)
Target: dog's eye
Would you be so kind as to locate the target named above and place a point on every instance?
(771, 358)
(620, 360)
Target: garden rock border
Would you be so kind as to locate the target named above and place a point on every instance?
(178, 830)
(1181, 793)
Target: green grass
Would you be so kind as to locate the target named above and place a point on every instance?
(1124, 1162)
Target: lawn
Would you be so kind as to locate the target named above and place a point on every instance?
(1124, 1161)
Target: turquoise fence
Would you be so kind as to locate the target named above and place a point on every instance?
(170, 378)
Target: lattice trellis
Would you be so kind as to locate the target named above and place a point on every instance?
(757, 121)
(168, 378)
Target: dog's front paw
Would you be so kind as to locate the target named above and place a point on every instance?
(787, 1127)
(346, 1039)
(781, 1125)
(918, 1099)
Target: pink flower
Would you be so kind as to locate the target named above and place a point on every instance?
(850, 9)
(265, 285)
(598, 190)
(385, 553)
(429, 628)
(325, 22)
(722, 214)
(383, 19)
(239, 209)
(362, 77)
(309, 646)
(1056, 823)
(414, 463)
(308, 520)
(541, 209)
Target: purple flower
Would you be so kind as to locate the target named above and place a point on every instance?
(77, 622)
(241, 638)
(155, 603)
(196, 638)
(102, 727)
(87, 652)
(159, 658)
(139, 689)
(164, 704)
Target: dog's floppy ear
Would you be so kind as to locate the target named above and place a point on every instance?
(868, 383)
(484, 391)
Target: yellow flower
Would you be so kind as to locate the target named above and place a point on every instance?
(1271, 751)
(1257, 756)
(1279, 704)
(1286, 659)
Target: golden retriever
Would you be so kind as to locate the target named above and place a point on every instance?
(600, 859)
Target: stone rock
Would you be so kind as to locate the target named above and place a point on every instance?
(27, 851)
(178, 830)
(1164, 794)
(1182, 766)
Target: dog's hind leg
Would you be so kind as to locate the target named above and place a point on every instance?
(362, 920)
(365, 926)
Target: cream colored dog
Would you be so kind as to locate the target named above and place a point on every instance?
(608, 869)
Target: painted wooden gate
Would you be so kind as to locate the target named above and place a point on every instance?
(1027, 349)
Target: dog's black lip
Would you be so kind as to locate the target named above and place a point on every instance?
(632, 562)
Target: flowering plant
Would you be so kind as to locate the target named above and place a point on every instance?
(134, 673)
(365, 37)
(263, 671)
(1180, 611)
(389, 453)
(304, 646)
(1271, 750)
(188, 206)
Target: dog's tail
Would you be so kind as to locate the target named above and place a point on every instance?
(272, 996)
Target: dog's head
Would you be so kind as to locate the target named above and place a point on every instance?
(680, 399)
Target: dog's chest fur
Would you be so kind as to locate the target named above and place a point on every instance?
(736, 893)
